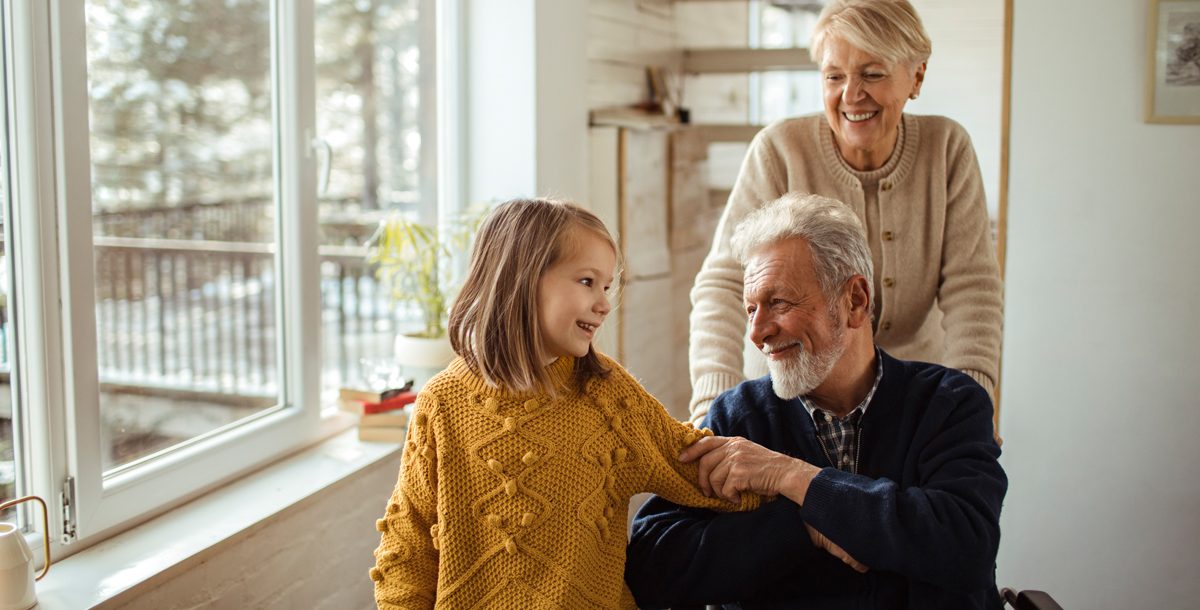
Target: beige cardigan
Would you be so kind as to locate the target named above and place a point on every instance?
(938, 290)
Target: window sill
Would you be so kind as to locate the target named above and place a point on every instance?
(117, 570)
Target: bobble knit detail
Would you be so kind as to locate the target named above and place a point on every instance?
(512, 500)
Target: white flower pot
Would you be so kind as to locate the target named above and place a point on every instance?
(421, 358)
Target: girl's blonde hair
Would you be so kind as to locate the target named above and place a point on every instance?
(888, 29)
(494, 321)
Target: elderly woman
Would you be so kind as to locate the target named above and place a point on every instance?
(912, 180)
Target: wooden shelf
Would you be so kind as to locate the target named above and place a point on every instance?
(734, 61)
(713, 132)
(632, 118)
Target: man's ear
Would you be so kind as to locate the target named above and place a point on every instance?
(859, 310)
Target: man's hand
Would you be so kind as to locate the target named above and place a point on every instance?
(729, 465)
(819, 540)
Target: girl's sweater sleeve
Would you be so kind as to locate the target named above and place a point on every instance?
(663, 438)
(406, 562)
(718, 322)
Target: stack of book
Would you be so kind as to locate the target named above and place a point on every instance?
(382, 416)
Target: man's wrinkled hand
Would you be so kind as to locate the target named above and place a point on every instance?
(820, 541)
(730, 465)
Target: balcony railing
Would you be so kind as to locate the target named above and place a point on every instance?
(181, 308)
(201, 315)
(187, 318)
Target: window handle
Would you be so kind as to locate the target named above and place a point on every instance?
(321, 144)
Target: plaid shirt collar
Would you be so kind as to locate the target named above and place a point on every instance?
(862, 406)
(839, 437)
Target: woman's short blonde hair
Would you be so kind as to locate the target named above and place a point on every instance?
(888, 29)
(494, 321)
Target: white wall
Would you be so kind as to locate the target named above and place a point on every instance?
(498, 53)
(964, 76)
(1100, 394)
(526, 98)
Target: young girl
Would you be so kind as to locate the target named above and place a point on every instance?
(523, 454)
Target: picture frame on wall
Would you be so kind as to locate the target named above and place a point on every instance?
(1173, 62)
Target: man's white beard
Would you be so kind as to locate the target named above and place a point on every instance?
(803, 372)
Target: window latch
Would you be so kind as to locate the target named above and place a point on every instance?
(68, 511)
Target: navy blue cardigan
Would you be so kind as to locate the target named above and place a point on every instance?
(923, 513)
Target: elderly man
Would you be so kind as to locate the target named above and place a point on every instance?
(885, 471)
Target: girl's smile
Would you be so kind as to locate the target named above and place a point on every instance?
(573, 295)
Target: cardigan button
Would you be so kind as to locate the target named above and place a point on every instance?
(887, 186)
(888, 282)
(888, 236)
(886, 326)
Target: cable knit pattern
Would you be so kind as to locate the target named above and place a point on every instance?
(519, 500)
(937, 281)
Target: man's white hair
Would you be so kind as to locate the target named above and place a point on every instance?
(834, 234)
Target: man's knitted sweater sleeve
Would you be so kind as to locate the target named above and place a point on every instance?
(406, 561)
(944, 530)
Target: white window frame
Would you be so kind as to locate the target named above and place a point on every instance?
(56, 377)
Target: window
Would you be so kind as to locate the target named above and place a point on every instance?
(181, 255)
(778, 95)
(8, 450)
(375, 114)
(183, 219)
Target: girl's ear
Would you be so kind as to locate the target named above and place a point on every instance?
(859, 310)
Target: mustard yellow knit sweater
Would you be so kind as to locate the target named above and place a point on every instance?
(519, 501)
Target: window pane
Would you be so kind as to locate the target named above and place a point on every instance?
(374, 86)
(183, 218)
(8, 452)
(787, 94)
(786, 26)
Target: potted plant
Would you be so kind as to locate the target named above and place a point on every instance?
(416, 262)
